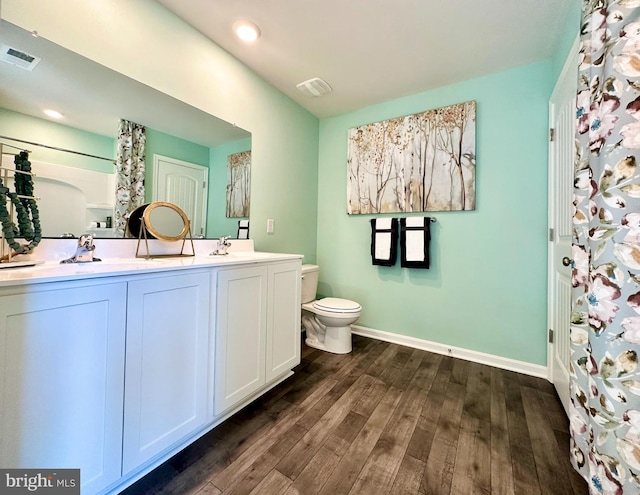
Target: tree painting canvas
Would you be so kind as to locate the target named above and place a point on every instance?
(420, 162)
(238, 184)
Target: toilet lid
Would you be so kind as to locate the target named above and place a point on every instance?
(337, 305)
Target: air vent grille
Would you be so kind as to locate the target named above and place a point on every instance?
(18, 58)
(314, 87)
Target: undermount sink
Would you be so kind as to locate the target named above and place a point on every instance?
(129, 261)
(247, 254)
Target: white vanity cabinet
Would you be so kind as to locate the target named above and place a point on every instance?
(283, 319)
(113, 371)
(257, 329)
(167, 363)
(241, 317)
(62, 349)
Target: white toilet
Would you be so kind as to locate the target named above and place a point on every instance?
(327, 321)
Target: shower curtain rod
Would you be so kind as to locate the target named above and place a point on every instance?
(57, 149)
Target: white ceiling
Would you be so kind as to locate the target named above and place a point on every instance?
(371, 51)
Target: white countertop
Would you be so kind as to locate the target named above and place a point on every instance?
(54, 271)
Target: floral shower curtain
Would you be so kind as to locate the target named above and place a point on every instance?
(130, 163)
(605, 326)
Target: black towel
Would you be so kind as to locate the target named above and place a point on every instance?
(384, 241)
(414, 242)
(243, 229)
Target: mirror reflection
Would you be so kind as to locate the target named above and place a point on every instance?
(186, 153)
(166, 221)
(158, 220)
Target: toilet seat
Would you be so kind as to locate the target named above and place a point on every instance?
(337, 305)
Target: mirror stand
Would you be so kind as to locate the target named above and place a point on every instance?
(163, 221)
(144, 234)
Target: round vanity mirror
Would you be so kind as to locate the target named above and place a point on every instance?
(163, 221)
(166, 221)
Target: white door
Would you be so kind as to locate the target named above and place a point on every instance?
(184, 184)
(562, 111)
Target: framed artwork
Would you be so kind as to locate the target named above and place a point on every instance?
(238, 184)
(420, 162)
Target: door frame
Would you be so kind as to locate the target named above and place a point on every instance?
(570, 66)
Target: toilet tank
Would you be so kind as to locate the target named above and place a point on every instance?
(309, 282)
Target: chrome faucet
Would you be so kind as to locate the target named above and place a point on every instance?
(84, 251)
(223, 244)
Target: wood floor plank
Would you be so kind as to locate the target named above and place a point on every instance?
(233, 470)
(555, 413)
(315, 474)
(501, 465)
(472, 471)
(346, 432)
(389, 373)
(318, 470)
(407, 374)
(523, 462)
(245, 481)
(383, 419)
(409, 476)
(439, 468)
(552, 474)
(422, 438)
(316, 371)
(379, 472)
(344, 476)
(429, 367)
(272, 484)
(385, 359)
(292, 464)
(563, 441)
(370, 398)
(309, 420)
(208, 489)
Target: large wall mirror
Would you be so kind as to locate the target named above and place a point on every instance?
(93, 99)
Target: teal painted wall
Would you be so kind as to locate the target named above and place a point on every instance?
(21, 126)
(486, 289)
(217, 222)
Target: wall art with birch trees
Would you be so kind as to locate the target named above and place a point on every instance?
(420, 162)
(238, 184)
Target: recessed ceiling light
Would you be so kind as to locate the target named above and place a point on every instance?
(53, 114)
(246, 31)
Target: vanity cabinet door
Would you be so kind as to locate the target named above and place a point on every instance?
(283, 318)
(61, 380)
(240, 335)
(166, 392)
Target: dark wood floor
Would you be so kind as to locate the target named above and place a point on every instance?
(385, 419)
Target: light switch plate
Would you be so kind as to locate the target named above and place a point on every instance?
(270, 225)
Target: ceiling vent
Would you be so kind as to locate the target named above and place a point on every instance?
(18, 58)
(314, 87)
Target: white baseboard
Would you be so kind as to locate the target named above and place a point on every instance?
(536, 370)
